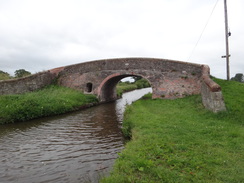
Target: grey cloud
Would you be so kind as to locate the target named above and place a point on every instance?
(39, 35)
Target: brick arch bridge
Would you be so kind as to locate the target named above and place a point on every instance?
(169, 79)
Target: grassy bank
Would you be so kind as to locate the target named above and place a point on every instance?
(180, 141)
(123, 87)
(52, 100)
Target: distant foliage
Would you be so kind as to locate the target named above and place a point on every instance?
(238, 77)
(142, 83)
(21, 73)
(4, 75)
(123, 87)
(136, 78)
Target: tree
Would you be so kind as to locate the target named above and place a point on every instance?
(142, 83)
(238, 77)
(4, 75)
(21, 73)
(136, 78)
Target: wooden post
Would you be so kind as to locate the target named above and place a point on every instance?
(227, 41)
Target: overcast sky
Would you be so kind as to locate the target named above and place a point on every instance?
(38, 35)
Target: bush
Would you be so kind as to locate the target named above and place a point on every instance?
(123, 87)
(142, 83)
(4, 75)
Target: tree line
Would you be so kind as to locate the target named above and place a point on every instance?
(238, 77)
(17, 74)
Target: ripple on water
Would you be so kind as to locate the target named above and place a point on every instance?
(78, 147)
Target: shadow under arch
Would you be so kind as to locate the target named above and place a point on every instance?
(107, 89)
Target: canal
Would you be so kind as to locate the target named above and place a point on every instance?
(75, 147)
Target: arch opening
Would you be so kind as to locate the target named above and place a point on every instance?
(89, 87)
(109, 90)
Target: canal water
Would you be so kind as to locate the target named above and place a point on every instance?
(76, 147)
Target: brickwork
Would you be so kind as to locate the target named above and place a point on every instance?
(26, 84)
(169, 79)
(212, 97)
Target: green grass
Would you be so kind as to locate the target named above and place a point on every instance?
(123, 87)
(180, 141)
(52, 100)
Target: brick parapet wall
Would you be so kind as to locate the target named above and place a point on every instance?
(212, 97)
(26, 84)
(153, 64)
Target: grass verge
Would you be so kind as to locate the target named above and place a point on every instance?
(180, 141)
(52, 100)
(123, 87)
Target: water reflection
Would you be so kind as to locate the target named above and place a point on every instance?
(127, 99)
(78, 147)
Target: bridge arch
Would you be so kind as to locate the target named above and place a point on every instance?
(107, 88)
(169, 79)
